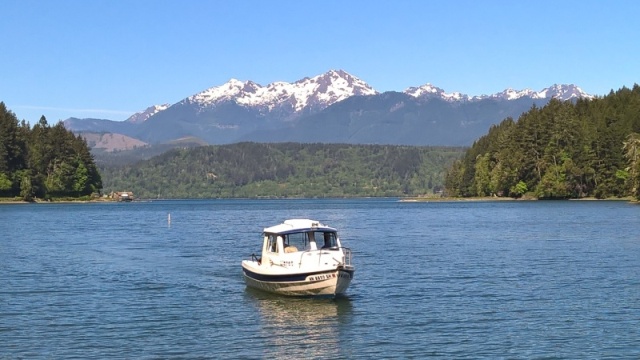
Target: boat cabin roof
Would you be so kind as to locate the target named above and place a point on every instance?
(298, 225)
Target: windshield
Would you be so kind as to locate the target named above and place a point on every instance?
(304, 241)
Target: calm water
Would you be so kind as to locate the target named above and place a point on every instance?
(449, 280)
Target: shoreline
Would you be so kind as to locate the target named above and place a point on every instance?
(491, 198)
(408, 199)
(17, 202)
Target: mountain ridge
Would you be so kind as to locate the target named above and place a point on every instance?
(245, 111)
(562, 92)
(143, 116)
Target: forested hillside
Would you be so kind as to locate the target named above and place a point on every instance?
(43, 161)
(562, 150)
(285, 170)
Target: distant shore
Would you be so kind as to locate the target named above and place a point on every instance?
(12, 201)
(496, 198)
(452, 199)
(61, 201)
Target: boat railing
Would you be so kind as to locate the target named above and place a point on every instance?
(347, 256)
(318, 251)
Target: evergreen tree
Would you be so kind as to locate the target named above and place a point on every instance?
(562, 150)
(44, 161)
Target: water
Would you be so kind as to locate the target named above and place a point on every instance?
(448, 280)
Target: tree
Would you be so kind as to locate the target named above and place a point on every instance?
(43, 161)
(631, 147)
(562, 150)
(5, 184)
(483, 176)
(519, 189)
(26, 190)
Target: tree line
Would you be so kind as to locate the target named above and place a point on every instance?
(44, 161)
(586, 148)
(251, 170)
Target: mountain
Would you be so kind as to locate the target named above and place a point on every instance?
(560, 92)
(308, 94)
(399, 119)
(143, 116)
(332, 107)
(225, 113)
(104, 125)
(90, 125)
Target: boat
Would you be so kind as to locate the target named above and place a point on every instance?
(300, 257)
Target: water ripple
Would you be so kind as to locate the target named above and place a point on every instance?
(444, 280)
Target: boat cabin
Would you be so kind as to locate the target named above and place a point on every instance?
(298, 235)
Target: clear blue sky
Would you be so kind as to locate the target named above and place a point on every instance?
(109, 59)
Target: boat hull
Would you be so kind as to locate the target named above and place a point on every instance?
(323, 283)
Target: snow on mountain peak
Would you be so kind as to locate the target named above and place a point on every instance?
(511, 94)
(143, 116)
(430, 91)
(319, 92)
(426, 89)
(560, 92)
(565, 92)
(226, 91)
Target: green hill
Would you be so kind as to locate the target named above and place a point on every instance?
(250, 170)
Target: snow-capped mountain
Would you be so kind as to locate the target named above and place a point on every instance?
(310, 95)
(304, 111)
(561, 92)
(431, 91)
(143, 116)
(511, 94)
(313, 93)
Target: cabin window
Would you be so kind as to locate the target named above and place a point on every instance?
(300, 241)
(272, 243)
(327, 240)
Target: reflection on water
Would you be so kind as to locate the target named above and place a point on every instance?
(296, 327)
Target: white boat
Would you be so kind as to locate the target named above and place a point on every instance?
(300, 257)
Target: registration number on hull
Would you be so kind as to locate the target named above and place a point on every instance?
(321, 277)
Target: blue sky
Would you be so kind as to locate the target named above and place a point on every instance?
(109, 59)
